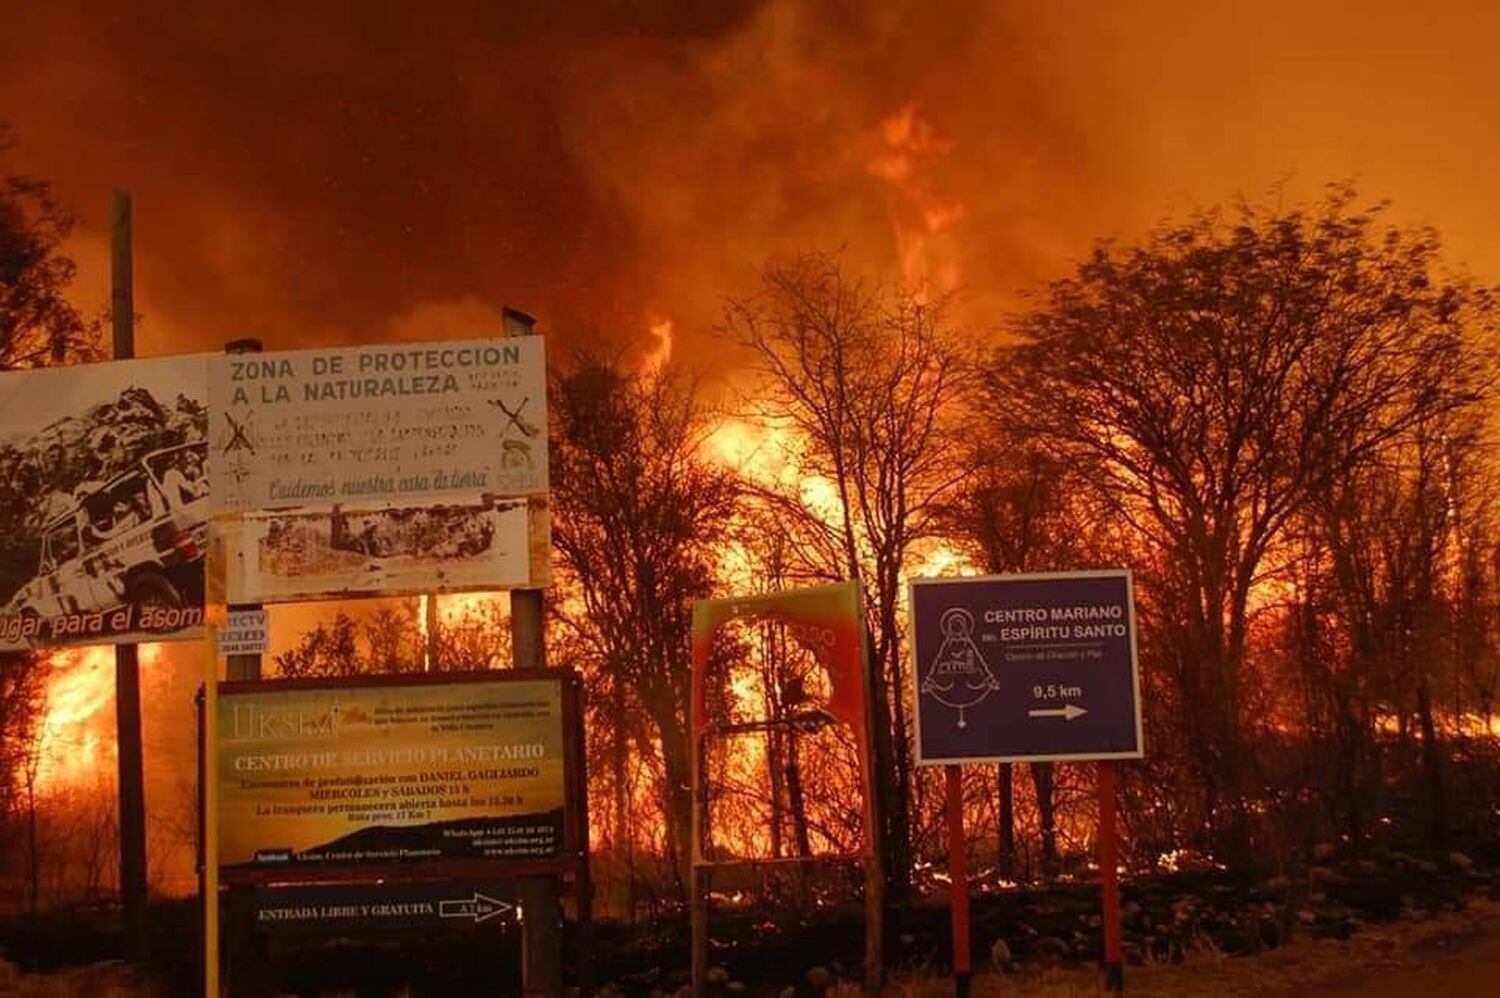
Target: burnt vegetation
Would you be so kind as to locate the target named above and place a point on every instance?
(1280, 418)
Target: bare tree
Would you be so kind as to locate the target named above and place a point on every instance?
(476, 638)
(1213, 379)
(1019, 511)
(392, 634)
(22, 697)
(638, 514)
(38, 324)
(1384, 598)
(866, 381)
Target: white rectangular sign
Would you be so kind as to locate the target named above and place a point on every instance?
(244, 634)
(380, 423)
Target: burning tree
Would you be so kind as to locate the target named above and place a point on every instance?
(38, 325)
(1388, 609)
(867, 381)
(1213, 383)
(639, 512)
(21, 700)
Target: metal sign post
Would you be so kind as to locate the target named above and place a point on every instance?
(243, 665)
(208, 819)
(1028, 668)
(1109, 878)
(958, 881)
(541, 939)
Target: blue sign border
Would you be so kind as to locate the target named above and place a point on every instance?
(915, 670)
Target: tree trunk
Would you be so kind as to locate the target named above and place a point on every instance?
(797, 798)
(776, 769)
(893, 838)
(1432, 769)
(33, 855)
(773, 670)
(1350, 776)
(1007, 836)
(901, 846)
(1041, 778)
(797, 804)
(620, 764)
(677, 771)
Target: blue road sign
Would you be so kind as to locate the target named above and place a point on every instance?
(1012, 668)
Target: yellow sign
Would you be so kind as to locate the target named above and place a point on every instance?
(399, 773)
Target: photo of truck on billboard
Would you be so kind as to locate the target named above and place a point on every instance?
(104, 497)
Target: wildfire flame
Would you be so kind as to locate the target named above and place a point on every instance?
(653, 363)
(920, 215)
(75, 738)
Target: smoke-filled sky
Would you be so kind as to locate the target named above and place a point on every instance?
(331, 172)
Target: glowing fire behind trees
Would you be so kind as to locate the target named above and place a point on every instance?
(76, 733)
(67, 784)
(1355, 636)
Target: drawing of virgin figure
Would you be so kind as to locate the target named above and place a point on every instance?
(959, 677)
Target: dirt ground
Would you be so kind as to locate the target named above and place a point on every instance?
(1453, 955)
(1462, 967)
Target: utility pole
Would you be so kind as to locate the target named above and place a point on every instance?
(127, 661)
(541, 939)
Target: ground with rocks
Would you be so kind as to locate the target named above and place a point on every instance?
(1197, 932)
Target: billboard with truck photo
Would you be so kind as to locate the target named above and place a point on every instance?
(381, 469)
(104, 497)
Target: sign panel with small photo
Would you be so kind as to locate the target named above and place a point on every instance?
(291, 555)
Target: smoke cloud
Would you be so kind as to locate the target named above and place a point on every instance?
(330, 172)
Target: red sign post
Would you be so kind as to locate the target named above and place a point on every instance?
(1027, 668)
(1109, 878)
(958, 885)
